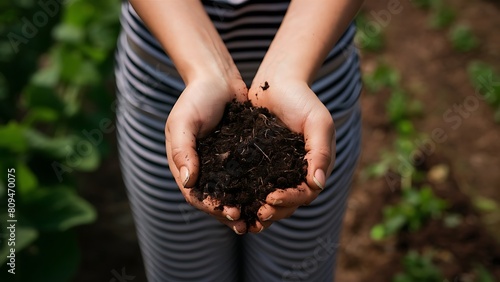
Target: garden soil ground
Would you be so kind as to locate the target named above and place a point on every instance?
(434, 74)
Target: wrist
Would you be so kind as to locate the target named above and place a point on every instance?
(278, 72)
(222, 70)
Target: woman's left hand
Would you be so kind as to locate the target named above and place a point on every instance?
(298, 107)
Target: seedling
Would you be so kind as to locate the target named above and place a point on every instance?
(415, 208)
(442, 16)
(418, 268)
(462, 38)
(369, 36)
(383, 76)
(484, 78)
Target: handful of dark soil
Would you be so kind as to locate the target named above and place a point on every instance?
(248, 156)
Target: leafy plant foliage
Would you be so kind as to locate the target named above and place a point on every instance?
(46, 115)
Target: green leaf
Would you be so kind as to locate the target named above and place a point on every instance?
(396, 106)
(418, 267)
(486, 81)
(71, 62)
(442, 15)
(368, 36)
(395, 223)
(76, 153)
(382, 76)
(68, 33)
(484, 204)
(87, 74)
(79, 13)
(42, 97)
(378, 232)
(47, 77)
(405, 127)
(13, 137)
(24, 237)
(26, 179)
(462, 38)
(88, 159)
(40, 114)
(57, 209)
(377, 170)
(57, 148)
(97, 54)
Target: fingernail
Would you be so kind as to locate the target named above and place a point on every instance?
(318, 178)
(229, 217)
(268, 218)
(277, 202)
(261, 229)
(184, 175)
(236, 231)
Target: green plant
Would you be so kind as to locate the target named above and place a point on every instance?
(397, 106)
(484, 78)
(369, 35)
(399, 110)
(441, 16)
(411, 212)
(44, 118)
(462, 38)
(383, 76)
(417, 268)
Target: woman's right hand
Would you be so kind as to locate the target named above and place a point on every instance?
(196, 113)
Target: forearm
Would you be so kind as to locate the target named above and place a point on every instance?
(188, 36)
(308, 32)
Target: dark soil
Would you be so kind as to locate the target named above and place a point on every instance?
(249, 155)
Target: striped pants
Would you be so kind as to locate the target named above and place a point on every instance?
(179, 243)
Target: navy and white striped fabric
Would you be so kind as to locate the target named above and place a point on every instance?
(179, 243)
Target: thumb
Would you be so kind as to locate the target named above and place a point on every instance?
(319, 134)
(181, 151)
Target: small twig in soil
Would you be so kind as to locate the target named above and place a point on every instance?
(223, 156)
(262, 152)
(266, 120)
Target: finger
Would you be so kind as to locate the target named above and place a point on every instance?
(210, 207)
(180, 136)
(231, 213)
(268, 213)
(239, 227)
(319, 135)
(259, 226)
(292, 197)
(241, 91)
(213, 208)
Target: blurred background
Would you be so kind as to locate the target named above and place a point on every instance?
(425, 202)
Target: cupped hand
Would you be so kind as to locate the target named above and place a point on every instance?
(195, 114)
(298, 108)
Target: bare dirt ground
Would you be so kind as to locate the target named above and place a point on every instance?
(434, 74)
